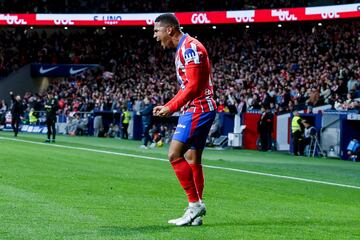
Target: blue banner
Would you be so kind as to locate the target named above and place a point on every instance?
(59, 70)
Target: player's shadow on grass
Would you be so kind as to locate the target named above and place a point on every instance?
(118, 230)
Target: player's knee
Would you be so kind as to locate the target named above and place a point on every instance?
(189, 157)
(173, 155)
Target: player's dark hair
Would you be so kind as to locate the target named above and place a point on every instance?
(168, 18)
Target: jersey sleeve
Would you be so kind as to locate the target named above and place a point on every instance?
(168, 104)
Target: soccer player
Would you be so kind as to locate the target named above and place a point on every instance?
(51, 107)
(195, 100)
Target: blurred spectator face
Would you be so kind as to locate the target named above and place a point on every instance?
(18, 98)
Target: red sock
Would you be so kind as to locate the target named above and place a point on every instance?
(198, 178)
(184, 174)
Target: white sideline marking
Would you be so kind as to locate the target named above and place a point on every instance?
(207, 166)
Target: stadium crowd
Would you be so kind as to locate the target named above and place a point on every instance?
(284, 68)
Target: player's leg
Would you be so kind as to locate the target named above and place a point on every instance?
(183, 172)
(178, 147)
(147, 138)
(125, 135)
(193, 129)
(197, 141)
(53, 130)
(296, 142)
(182, 169)
(17, 125)
(13, 122)
(193, 156)
(48, 124)
(269, 140)
(263, 140)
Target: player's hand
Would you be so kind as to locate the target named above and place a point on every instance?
(161, 111)
(156, 110)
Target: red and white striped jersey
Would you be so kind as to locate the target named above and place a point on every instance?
(193, 73)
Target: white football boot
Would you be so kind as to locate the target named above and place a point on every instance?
(196, 222)
(192, 216)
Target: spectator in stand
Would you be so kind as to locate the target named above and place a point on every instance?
(278, 63)
(314, 97)
(3, 109)
(3, 106)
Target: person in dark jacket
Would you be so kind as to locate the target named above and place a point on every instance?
(146, 117)
(17, 110)
(51, 106)
(265, 127)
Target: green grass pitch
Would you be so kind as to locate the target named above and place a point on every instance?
(86, 191)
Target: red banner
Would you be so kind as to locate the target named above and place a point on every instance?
(187, 18)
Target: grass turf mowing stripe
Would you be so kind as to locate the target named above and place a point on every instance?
(207, 166)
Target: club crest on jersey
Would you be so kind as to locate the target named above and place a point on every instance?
(191, 54)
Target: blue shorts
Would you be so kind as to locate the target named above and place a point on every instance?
(193, 128)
